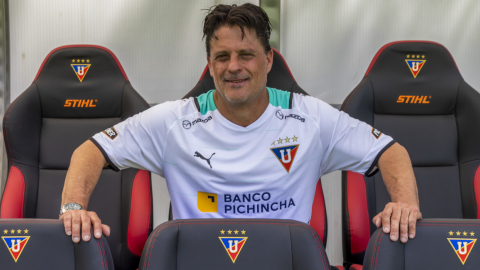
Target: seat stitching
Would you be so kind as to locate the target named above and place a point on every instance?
(100, 251)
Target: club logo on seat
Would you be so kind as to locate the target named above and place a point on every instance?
(81, 67)
(462, 246)
(16, 242)
(285, 154)
(415, 63)
(233, 245)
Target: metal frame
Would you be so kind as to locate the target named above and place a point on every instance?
(4, 84)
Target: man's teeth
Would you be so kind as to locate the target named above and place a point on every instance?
(236, 81)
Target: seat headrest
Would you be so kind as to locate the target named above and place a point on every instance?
(234, 244)
(438, 244)
(279, 77)
(81, 81)
(43, 244)
(414, 77)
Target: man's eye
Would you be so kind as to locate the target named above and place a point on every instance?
(222, 57)
(247, 56)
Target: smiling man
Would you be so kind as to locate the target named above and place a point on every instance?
(234, 152)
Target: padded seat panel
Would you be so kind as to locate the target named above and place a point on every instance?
(431, 140)
(438, 191)
(109, 211)
(60, 137)
(266, 246)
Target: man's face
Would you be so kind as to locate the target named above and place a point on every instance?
(238, 66)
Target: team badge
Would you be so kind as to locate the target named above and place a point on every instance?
(81, 67)
(462, 246)
(233, 245)
(285, 154)
(15, 244)
(415, 63)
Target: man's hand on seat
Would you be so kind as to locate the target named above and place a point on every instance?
(397, 216)
(76, 221)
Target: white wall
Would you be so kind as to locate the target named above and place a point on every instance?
(328, 45)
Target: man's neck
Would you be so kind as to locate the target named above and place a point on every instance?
(242, 114)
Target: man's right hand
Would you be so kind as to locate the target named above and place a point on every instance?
(77, 221)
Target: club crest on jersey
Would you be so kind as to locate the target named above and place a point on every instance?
(233, 245)
(415, 63)
(15, 244)
(286, 155)
(462, 247)
(80, 67)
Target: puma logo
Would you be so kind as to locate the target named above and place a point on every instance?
(197, 154)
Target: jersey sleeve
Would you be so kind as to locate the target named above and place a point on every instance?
(138, 141)
(348, 143)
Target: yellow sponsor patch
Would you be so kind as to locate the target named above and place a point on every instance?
(207, 202)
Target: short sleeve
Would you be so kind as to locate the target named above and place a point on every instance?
(347, 143)
(138, 141)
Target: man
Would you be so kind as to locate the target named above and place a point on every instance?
(236, 151)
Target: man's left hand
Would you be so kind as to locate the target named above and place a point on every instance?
(397, 216)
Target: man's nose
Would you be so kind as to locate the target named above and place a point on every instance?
(234, 65)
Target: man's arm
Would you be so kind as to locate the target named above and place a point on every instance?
(404, 210)
(82, 176)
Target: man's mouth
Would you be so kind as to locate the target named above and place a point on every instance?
(237, 81)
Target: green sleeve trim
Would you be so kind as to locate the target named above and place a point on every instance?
(279, 98)
(206, 102)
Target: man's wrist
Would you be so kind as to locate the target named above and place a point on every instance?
(70, 206)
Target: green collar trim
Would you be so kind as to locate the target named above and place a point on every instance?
(278, 98)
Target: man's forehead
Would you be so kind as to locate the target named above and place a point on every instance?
(229, 38)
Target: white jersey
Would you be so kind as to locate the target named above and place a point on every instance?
(217, 169)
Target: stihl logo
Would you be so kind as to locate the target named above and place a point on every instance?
(414, 99)
(83, 103)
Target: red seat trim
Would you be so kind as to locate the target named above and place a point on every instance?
(356, 267)
(140, 209)
(476, 188)
(14, 195)
(318, 219)
(358, 219)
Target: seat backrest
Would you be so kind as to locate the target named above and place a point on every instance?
(413, 91)
(439, 244)
(78, 91)
(43, 244)
(233, 244)
(279, 77)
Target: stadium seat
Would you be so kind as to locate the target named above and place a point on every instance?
(413, 91)
(43, 244)
(279, 77)
(78, 91)
(439, 244)
(233, 244)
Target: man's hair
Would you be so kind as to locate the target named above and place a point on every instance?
(245, 16)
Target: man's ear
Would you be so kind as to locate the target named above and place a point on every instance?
(269, 60)
(210, 67)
